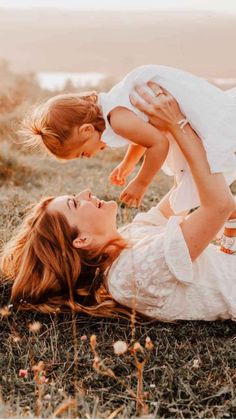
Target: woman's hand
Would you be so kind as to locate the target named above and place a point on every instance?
(162, 109)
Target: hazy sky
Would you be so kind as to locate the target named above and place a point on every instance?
(212, 5)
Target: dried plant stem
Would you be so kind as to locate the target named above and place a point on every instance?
(71, 403)
(140, 400)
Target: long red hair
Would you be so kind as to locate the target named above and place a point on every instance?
(48, 274)
(51, 124)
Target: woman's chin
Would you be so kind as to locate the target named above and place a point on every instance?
(112, 205)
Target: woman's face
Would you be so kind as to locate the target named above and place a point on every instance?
(95, 219)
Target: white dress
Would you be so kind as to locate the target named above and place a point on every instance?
(210, 111)
(158, 278)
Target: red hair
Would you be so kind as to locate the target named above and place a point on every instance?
(52, 122)
(49, 274)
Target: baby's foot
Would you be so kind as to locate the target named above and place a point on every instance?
(228, 239)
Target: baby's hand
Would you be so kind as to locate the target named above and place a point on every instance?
(132, 195)
(119, 174)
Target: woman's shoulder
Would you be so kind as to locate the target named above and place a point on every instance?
(140, 260)
(156, 252)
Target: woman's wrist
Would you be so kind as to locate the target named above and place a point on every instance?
(175, 129)
(178, 126)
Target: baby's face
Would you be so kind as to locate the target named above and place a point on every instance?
(85, 143)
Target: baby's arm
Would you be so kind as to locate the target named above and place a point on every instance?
(133, 155)
(126, 166)
(125, 123)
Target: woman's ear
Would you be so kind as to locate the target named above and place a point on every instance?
(82, 241)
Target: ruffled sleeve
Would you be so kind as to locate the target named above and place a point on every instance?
(176, 252)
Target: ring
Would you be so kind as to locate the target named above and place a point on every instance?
(158, 93)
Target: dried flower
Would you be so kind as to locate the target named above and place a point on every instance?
(120, 347)
(35, 327)
(137, 347)
(39, 367)
(83, 337)
(5, 311)
(15, 338)
(93, 341)
(96, 363)
(39, 373)
(196, 364)
(148, 343)
(43, 379)
(23, 373)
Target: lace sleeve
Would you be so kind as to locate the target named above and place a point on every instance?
(176, 252)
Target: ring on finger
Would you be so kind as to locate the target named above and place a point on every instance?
(159, 93)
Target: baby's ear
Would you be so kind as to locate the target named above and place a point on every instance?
(86, 129)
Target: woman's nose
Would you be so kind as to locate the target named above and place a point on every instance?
(84, 194)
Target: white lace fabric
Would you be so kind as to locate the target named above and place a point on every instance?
(157, 277)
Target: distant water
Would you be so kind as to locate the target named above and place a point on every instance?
(58, 80)
(224, 84)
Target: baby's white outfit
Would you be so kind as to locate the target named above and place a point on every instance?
(157, 277)
(210, 111)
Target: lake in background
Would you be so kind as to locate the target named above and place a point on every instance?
(58, 80)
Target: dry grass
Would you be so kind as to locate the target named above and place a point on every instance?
(49, 369)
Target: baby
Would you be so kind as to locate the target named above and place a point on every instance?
(77, 125)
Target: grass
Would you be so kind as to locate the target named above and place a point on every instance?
(54, 372)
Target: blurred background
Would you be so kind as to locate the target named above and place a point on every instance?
(47, 46)
(52, 46)
(86, 42)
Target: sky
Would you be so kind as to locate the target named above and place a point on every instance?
(228, 6)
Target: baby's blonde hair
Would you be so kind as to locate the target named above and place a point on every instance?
(52, 122)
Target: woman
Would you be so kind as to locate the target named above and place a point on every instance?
(163, 265)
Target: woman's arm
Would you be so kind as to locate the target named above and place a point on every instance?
(216, 199)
